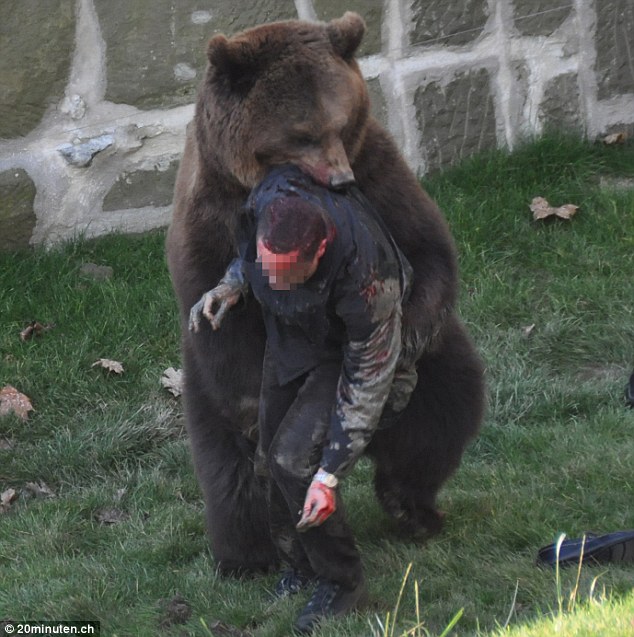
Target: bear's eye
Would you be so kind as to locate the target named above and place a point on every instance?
(304, 139)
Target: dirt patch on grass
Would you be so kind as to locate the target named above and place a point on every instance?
(176, 610)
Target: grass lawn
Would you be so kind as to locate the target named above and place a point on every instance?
(107, 522)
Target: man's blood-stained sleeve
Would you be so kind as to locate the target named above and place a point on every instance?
(372, 315)
(234, 277)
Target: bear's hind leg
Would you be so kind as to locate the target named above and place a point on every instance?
(235, 499)
(416, 456)
(236, 508)
(413, 508)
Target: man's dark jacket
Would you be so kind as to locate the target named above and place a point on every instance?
(348, 310)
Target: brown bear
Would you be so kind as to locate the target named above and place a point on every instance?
(292, 92)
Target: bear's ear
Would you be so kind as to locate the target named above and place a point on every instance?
(346, 33)
(234, 60)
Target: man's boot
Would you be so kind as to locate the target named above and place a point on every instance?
(329, 600)
(291, 582)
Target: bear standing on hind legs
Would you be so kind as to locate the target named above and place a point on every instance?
(291, 92)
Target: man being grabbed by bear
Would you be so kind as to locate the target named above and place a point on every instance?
(331, 282)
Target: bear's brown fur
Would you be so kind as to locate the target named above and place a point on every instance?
(291, 92)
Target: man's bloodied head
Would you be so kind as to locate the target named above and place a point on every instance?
(292, 236)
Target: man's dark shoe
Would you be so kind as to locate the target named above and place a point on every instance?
(616, 547)
(329, 600)
(291, 583)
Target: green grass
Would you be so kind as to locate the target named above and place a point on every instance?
(556, 453)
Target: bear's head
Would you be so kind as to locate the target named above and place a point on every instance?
(285, 92)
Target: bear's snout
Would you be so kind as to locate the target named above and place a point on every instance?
(341, 179)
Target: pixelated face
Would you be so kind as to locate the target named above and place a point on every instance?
(285, 271)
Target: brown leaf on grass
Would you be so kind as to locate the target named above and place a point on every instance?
(35, 328)
(6, 499)
(11, 400)
(39, 489)
(111, 516)
(172, 380)
(541, 209)
(112, 366)
(615, 138)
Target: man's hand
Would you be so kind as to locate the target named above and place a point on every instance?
(224, 295)
(319, 505)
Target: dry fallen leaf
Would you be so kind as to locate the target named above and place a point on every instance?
(39, 489)
(528, 330)
(35, 328)
(615, 138)
(6, 499)
(541, 209)
(11, 400)
(111, 516)
(172, 380)
(112, 366)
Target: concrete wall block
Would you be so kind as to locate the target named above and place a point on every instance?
(96, 94)
(377, 100)
(143, 188)
(17, 217)
(441, 23)
(615, 47)
(36, 44)
(370, 10)
(156, 48)
(628, 129)
(456, 119)
(560, 108)
(540, 17)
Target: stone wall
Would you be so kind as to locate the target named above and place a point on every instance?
(95, 94)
